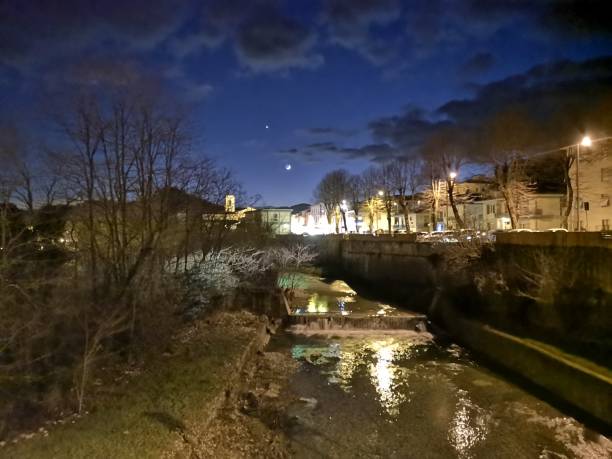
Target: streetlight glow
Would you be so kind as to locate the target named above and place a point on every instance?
(452, 175)
(380, 192)
(586, 141)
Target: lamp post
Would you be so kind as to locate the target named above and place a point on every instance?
(451, 184)
(585, 142)
(343, 209)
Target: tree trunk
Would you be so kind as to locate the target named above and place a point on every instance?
(406, 220)
(569, 191)
(510, 206)
(450, 187)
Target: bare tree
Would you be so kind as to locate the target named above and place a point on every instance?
(404, 174)
(509, 135)
(434, 190)
(355, 190)
(387, 193)
(10, 150)
(370, 179)
(331, 191)
(449, 149)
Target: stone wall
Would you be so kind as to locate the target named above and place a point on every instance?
(567, 301)
(403, 269)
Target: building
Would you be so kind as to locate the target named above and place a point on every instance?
(542, 211)
(480, 213)
(591, 177)
(277, 220)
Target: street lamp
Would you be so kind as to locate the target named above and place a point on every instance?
(343, 209)
(381, 193)
(585, 142)
(452, 175)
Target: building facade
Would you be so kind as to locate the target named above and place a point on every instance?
(277, 220)
(591, 176)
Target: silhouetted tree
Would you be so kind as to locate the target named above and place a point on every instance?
(331, 191)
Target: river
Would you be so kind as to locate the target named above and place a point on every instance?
(411, 395)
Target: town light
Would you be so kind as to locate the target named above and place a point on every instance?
(380, 192)
(586, 141)
(452, 175)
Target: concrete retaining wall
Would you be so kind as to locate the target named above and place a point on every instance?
(583, 385)
(557, 239)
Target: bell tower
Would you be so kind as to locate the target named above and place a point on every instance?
(230, 204)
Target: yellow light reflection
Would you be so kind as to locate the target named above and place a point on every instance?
(384, 374)
(341, 286)
(317, 304)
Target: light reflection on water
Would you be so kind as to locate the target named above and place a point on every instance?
(384, 374)
(316, 295)
(468, 426)
(413, 383)
(379, 357)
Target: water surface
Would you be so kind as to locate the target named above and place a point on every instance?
(411, 395)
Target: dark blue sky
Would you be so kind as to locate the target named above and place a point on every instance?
(340, 83)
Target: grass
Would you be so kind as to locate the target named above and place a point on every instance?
(154, 412)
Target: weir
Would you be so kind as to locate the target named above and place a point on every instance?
(323, 304)
(313, 322)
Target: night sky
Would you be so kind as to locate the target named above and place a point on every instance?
(338, 83)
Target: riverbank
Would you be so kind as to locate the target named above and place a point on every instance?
(167, 406)
(571, 379)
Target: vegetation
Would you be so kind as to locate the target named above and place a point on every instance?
(108, 244)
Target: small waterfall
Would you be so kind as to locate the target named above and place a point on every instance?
(312, 322)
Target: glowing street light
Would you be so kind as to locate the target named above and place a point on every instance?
(381, 192)
(585, 142)
(453, 175)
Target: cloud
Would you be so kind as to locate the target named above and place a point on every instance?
(578, 17)
(406, 131)
(477, 64)
(38, 31)
(357, 25)
(321, 151)
(563, 98)
(263, 37)
(270, 42)
(325, 131)
(544, 91)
